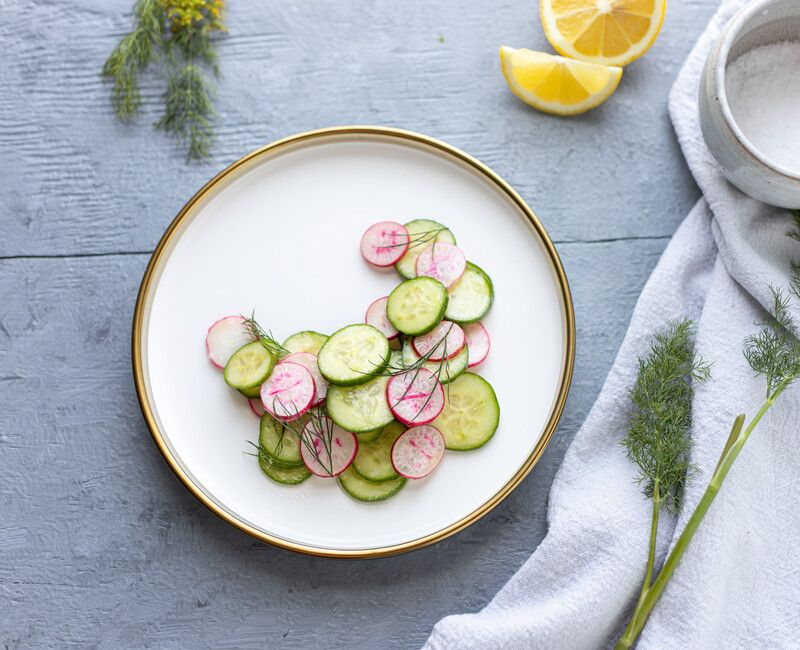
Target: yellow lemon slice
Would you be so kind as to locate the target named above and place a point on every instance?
(611, 32)
(557, 85)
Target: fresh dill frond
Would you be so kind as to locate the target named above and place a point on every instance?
(132, 55)
(658, 436)
(181, 31)
(774, 351)
(188, 110)
(266, 337)
(794, 231)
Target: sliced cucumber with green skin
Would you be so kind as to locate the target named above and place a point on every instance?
(417, 306)
(353, 355)
(471, 296)
(307, 341)
(445, 371)
(279, 443)
(367, 436)
(470, 415)
(283, 475)
(360, 408)
(421, 233)
(360, 489)
(374, 460)
(255, 391)
(249, 367)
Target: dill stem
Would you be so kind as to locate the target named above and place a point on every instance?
(730, 452)
(651, 550)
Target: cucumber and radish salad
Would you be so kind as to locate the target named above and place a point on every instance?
(379, 402)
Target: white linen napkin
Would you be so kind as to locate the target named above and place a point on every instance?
(738, 585)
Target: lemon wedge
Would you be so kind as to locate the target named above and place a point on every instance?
(557, 85)
(611, 32)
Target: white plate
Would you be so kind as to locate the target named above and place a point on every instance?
(278, 233)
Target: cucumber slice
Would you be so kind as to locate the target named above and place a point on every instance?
(284, 475)
(446, 371)
(374, 460)
(471, 296)
(360, 408)
(353, 355)
(367, 436)
(421, 233)
(279, 443)
(416, 306)
(254, 392)
(471, 413)
(361, 489)
(249, 367)
(307, 341)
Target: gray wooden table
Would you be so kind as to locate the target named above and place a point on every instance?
(100, 545)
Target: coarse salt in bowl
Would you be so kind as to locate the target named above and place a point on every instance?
(749, 101)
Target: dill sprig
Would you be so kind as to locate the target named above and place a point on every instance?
(773, 353)
(286, 429)
(266, 338)
(658, 436)
(306, 428)
(418, 238)
(443, 364)
(442, 368)
(181, 31)
(188, 110)
(132, 55)
(774, 350)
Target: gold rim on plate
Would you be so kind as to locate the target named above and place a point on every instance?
(207, 191)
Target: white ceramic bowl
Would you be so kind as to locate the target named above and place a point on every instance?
(759, 23)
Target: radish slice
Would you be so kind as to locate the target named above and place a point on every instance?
(289, 391)
(478, 343)
(418, 451)
(326, 448)
(415, 397)
(442, 261)
(224, 337)
(384, 243)
(309, 362)
(444, 341)
(376, 316)
(256, 406)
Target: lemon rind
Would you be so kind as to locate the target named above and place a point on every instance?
(564, 47)
(555, 108)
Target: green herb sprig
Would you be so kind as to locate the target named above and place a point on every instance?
(178, 33)
(773, 353)
(313, 426)
(265, 337)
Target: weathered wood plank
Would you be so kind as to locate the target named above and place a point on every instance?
(101, 545)
(76, 181)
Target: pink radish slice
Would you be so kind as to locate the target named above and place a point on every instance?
(418, 451)
(478, 343)
(289, 391)
(309, 362)
(444, 341)
(327, 449)
(224, 337)
(442, 261)
(256, 406)
(384, 243)
(376, 316)
(415, 397)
